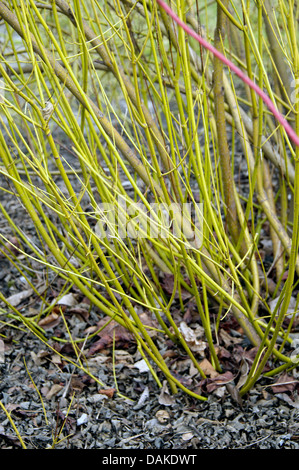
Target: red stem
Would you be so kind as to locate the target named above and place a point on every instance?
(291, 133)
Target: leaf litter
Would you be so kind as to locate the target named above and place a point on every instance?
(143, 415)
(131, 411)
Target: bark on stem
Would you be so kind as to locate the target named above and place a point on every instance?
(224, 153)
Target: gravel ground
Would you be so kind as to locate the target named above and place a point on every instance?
(55, 405)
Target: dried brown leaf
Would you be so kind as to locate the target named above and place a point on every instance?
(162, 416)
(69, 300)
(12, 246)
(218, 381)
(141, 366)
(168, 285)
(285, 383)
(123, 357)
(165, 398)
(53, 391)
(147, 320)
(250, 355)
(18, 298)
(77, 384)
(228, 339)
(192, 338)
(112, 332)
(187, 436)
(234, 392)
(82, 312)
(109, 392)
(142, 399)
(40, 357)
(243, 374)
(50, 321)
(208, 369)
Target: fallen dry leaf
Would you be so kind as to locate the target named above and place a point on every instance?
(222, 352)
(243, 374)
(235, 394)
(44, 390)
(53, 391)
(183, 379)
(112, 332)
(220, 391)
(142, 399)
(109, 392)
(180, 366)
(69, 300)
(162, 416)
(169, 353)
(18, 298)
(80, 311)
(90, 330)
(191, 338)
(212, 383)
(208, 369)
(23, 413)
(141, 366)
(70, 349)
(188, 316)
(56, 359)
(95, 363)
(168, 285)
(285, 383)
(250, 355)
(69, 422)
(192, 370)
(77, 384)
(40, 357)
(83, 419)
(288, 399)
(165, 398)
(11, 246)
(50, 321)
(187, 436)
(123, 357)
(12, 406)
(10, 439)
(228, 339)
(151, 322)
